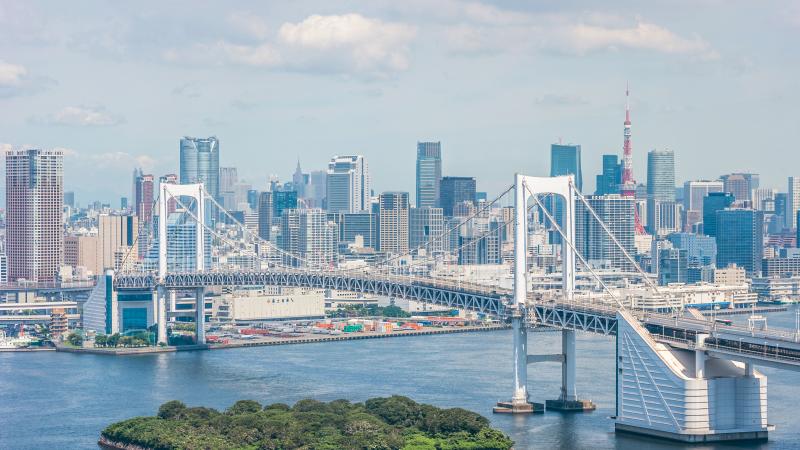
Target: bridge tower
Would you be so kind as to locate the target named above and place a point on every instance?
(168, 192)
(525, 187)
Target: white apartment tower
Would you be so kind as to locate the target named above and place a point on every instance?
(348, 184)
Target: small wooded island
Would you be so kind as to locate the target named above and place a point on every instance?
(380, 423)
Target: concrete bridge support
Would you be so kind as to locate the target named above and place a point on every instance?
(200, 316)
(568, 400)
(682, 394)
(161, 314)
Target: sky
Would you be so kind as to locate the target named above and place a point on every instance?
(116, 85)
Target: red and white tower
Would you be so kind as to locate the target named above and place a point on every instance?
(628, 186)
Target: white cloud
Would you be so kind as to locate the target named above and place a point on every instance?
(80, 116)
(369, 44)
(584, 38)
(11, 74)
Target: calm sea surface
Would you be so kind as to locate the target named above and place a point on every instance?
(52, 400)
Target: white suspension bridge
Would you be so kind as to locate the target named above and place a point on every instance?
(678, 377)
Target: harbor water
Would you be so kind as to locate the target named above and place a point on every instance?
(51, 400)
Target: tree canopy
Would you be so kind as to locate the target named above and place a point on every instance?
(393, 423)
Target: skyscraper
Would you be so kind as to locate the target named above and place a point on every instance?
(264, 215)
(740, 185)
(566, 160)
(426, 226)
(792, 202)
(713, 202)
(283, 200)
(199, 163)
(456, 190)
(660, 185)
(628, 187)
(740, 239)
(362, 224)
(169, 178)
(610, 180)
(308, 236)
(348, 184)
(429, 173)
(393, 222)
(34, 203)
(143, 188)
(591, 240)
(693, 194)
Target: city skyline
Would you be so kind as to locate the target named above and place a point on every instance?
(57, 76)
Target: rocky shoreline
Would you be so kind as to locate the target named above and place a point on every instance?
(108, 444)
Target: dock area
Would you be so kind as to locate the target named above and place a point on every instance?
(309, 338)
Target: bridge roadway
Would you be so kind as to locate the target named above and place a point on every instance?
(777, 348)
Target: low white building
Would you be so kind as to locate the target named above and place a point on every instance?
(269, 304)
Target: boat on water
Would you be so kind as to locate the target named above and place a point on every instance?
(11, 343)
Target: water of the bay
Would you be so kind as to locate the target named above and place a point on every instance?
(51, 400)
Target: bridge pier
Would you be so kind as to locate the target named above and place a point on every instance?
(161, 314)
(200, 316)
(568, 400)
(519, 403)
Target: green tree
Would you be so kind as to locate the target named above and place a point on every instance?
(100, 340)
(75, 339)
(244, 407)
(173, 409)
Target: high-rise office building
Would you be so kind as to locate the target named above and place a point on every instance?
(143, 189)
(228, 182)
(199, 163)
(426, 226)
(116, 239)
(764, 199)
(429, 173)
(348, 184)
(740, 239)
(610, 180)
(456, 190)
(34, 222)
(591, 240)
(181, 245)
(265, 215)
(740, 185)
(281, 201)
(393, 222)
(566, 160)
(69, 199)
(660, 187)
(781, 201)
(700, 250)
(363, 224)
(672, 266)
(792, 202)
(81, 251)
(480, 241)
(713, 202)
(693, 194)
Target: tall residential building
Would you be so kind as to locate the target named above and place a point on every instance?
(265, 215)
(740, 239)
(693, 193)
(591, 240)
(181, 245)
(713, 202)
(393, 222)
(429, 173)
(456, 190)
(566, 160)
(116, 238)
(199, 163)
(348, 184)
(426, 226)
(792, 202)
(740, 185)
(610, 180)
(143, 189)
(309, 236)
(660, 185)
(764, 199)
(34, 222)
(480, 241)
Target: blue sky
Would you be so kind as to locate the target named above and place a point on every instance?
(116, 84)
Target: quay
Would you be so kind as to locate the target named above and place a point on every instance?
(304, 338)
(739, 311)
